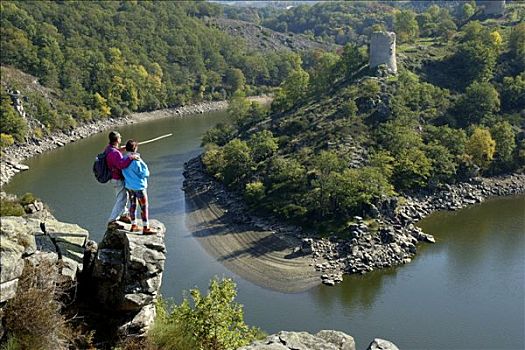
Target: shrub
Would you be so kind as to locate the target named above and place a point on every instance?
(33, 316)
(27, 198)
(38, 133)
(254, 191)
(10, 208)
(211, 322)
(213, 160)
(6, 140)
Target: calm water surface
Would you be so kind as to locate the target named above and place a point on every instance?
(465, 292)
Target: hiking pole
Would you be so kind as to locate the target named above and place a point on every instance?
(155, 139)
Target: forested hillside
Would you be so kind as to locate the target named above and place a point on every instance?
(109, 58)
(344, 21)
(340, 137)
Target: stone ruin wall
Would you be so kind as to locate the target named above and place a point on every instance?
(383, 50)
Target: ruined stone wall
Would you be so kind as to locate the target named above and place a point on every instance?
(383, 50)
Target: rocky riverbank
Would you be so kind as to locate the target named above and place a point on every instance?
(325, 339)
(260, 251)
(13, 156)
(390, 239)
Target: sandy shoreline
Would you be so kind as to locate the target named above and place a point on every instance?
(259, 256)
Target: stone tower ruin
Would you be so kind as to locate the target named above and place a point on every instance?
(492, 7)
(383, 50)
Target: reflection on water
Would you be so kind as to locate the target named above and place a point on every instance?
(465, 291)
(356, 291)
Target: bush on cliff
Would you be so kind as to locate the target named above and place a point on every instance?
(211, 322)
(10, 207)
(33, 317)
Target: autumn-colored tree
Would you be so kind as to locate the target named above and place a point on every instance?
(480, 148)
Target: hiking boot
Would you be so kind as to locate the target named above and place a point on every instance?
(125, 218)
(114, 225)
(134, 228)
(149, 231)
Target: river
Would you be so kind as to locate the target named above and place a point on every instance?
(464, 292)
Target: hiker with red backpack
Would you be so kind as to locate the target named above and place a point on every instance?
(116, 163)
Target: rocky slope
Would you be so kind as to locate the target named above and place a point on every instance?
(263, 39)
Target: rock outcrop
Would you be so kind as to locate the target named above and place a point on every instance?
(35, 239)
(127, 274)
(383, 50)
(326, 340)
(323, 340)
(381, 344)
(26, 239)
(261, 38)
(121, 275)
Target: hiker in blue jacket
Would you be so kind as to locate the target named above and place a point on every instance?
(136, 182)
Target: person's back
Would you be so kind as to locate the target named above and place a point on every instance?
(136, 175)
(136, 182)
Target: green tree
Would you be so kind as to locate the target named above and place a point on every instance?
(353, 189)
(219, 135)
(234, 80)
(411, 169)
(467, 11)
(504, 137)
(263, 145)
(405, 26)
(351, 60)
(443, 163)
(237, 161)
(292, 89)
(254, 191)
(325, 164)
(479, 104)
(517, 43)
(513, 92)
(477, 54)
(384, 161)
(453, 139)
(322, 72)
(213, 160)
(11, 122)
(286, 176)
(238, 107)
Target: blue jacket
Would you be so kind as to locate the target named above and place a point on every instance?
(136, 175)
